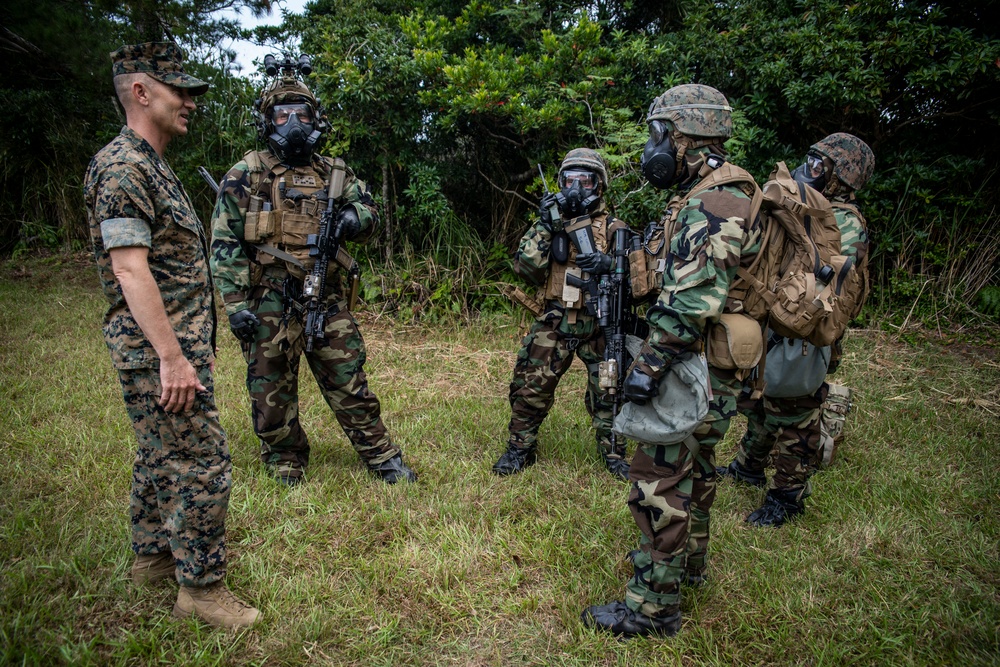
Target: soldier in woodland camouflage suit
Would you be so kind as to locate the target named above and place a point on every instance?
(712, 229)
(838, 166)
(268, 205)
(546, 256)
(152, 257)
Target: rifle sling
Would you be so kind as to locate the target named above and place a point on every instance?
(342, 258)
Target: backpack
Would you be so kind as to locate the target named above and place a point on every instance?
(800, 282)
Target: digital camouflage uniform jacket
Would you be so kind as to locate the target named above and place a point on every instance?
(233, 257)
(134, 199)
(715, 233)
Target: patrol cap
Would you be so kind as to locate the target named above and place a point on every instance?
(160, 60)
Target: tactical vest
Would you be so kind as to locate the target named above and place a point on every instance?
(283, 212)
(648, 263)
(556, 288)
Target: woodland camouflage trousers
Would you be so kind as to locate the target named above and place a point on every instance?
(791, 426)
(336, 361)
(673, 488)
(546, 354)
(180, 478)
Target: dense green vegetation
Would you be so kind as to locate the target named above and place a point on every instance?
(446, 106)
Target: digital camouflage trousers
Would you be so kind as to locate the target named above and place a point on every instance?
(790, 427)
(673, 488)
(337, 362)
(546, 354)
(180, 478)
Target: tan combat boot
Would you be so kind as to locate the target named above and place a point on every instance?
(215, 605)
(150, 569)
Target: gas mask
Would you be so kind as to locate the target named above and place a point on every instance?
(579, 191)
(294, 136)
(659, 157)
(813, 172)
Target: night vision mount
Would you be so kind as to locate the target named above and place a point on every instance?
(301, 67)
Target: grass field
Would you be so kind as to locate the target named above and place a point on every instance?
(896, 562)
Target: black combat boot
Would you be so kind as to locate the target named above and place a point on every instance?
(617, 618)
(514, 460)
(393, 470)
(740, 475)
(617, 466)
(694, 577)
(288, 474)
(780, 506)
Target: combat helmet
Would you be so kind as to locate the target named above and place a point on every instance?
(695, 110)
(285, 90)
(586, 158)
(853, 161)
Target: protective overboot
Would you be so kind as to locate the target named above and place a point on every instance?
(514, 460)
(287, 474)
(617, 618)
(151, 568)
(215, 605)
(740, 475)
(780, 506)
(393, 470)
(617, 466)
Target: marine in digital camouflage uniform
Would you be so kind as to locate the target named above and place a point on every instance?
(152, 257)
(838, 166)
(712, 229)
(564, 328)
(273, 199)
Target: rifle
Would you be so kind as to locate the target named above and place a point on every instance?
(208, 179)
(610, 301)
(322, 246)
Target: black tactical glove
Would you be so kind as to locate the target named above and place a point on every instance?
(594, 263)
(545, 211)
(244, 325)
(639, 387)
(349, 222)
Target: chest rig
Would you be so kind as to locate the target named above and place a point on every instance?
(557, 288)
(284, 210)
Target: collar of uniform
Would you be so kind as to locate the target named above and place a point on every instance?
(146, 149)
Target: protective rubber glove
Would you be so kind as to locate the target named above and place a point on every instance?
(244, 325)
(639, 387)
(545, 212)
(349, 222)
(594, 263)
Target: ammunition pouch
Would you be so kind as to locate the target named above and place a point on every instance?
(736, 342)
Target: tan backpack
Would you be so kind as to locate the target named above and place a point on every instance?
(800, 282)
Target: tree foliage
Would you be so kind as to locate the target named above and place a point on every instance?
(447, 106)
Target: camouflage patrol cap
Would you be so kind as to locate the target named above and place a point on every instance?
(853, 160)
(160, 60)
(695, 110)
(585, 158)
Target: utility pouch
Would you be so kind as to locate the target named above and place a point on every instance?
(639, 274)
(251, 227)
(800, 304)
(560, 247)
(833, 417)
(735, 342)
(794, 368)
(295, 231)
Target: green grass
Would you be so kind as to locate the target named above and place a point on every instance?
(894, 563)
